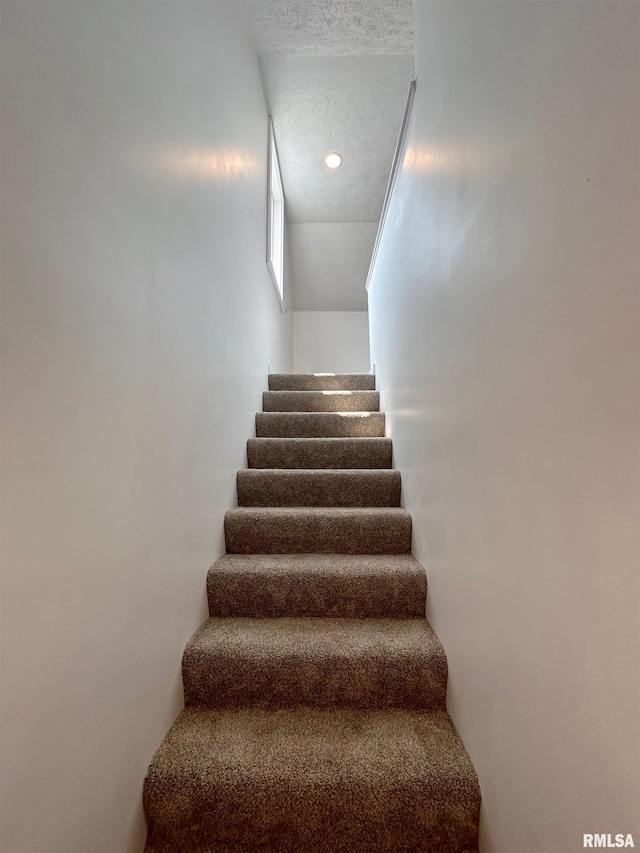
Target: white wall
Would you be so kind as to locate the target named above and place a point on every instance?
(138, 323)
(504, 317)
(331, 342)
(329, 264)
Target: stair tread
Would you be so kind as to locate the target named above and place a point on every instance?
(321, 381)
(320, 424)
(356, 585)
(319, 780)
(321, 401)
(321, 662)
(319, 487)
(310, 743)
(319, 473)
(312, 637)
(319, 511)
(312, 453)
(329, 440)
(344, 530)
(361, 565)
(363, 663)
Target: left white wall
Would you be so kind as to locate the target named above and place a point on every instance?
(138, 322)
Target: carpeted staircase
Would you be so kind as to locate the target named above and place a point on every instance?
(315, 717)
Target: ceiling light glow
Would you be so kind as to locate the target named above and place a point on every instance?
(333, 160)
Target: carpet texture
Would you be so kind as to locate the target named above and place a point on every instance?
(322, 530)
(366, 586)
(279, 663)
(320, 425)
(308, 780)
(315, 717)
(322, 382)
(319, 488)
(321, 401)
(319, 452)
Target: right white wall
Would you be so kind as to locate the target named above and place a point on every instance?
(504, 328)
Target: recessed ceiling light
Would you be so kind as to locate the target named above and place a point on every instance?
(333, 160)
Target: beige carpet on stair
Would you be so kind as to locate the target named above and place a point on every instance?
(315, 717)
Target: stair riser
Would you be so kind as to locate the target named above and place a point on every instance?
(318, 488)
(341, 535)
(320, 425)
(319, 828)
(334, 818)
(360, 598)
(320, 382)
(319, 401)
(322, 828)
(319, 453)
(235, 680)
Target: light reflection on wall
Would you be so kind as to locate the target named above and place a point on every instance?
(201, 164)
(474, 157)
(437, 159)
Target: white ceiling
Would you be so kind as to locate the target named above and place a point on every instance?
(330, 27)
(349, 104)
(336, 76)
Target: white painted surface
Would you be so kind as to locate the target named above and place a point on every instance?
(349, 104)
(326, 28)
(329, 264)
(331, 342)
(336, 77)
(504, 312)
(138, 323)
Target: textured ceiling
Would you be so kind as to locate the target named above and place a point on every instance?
(349, 104)
(336, 76)
(330, 27)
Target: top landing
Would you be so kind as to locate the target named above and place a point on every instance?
(322, 382)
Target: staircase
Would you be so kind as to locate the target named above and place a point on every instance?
(315, 716)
